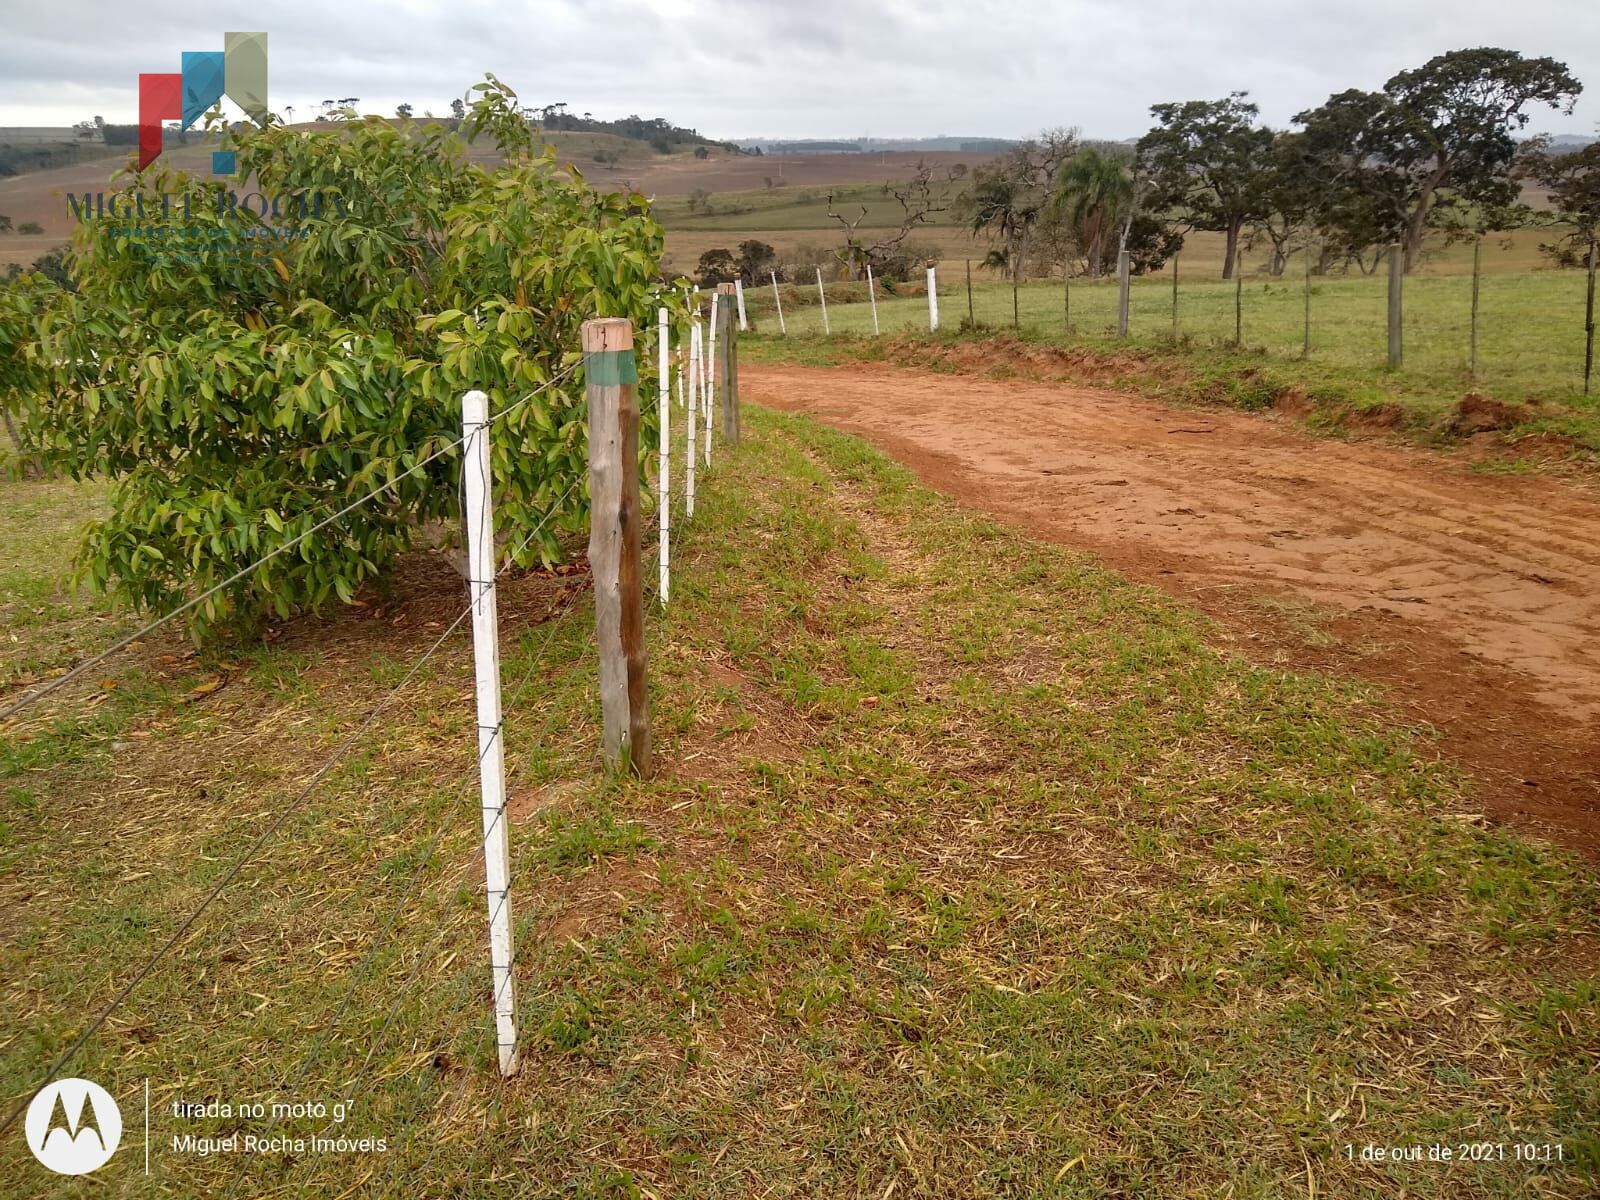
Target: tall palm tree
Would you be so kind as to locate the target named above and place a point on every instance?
(1094, 189)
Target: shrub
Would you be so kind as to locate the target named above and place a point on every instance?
(238, 398)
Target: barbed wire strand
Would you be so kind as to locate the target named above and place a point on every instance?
(394, 916)
(540, 738)
(233, 870)
(28, 699)
(255, 846)
(463, 1087)
(405, 990)
(303, 1071)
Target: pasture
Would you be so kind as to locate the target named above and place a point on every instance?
(941, 893)
(1530, 338)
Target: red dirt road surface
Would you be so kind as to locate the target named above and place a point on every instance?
(1475, 599)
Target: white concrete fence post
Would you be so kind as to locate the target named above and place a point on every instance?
(696, 365)
(872, 295)
(933, 301)
(823, 297)
(778, 300)
(708, 367)
(738, 295)
(491, 742)
(664, 481)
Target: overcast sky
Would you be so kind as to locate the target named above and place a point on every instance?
(789, 68)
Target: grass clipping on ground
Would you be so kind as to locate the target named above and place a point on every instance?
(972, 870)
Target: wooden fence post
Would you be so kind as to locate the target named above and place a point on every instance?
(1174, 297)
(1124, 282)
(972, 321)
(1397, 272)
(1305, 340)
(1588, 319)
(614, 537)
(1238, 298)
(1477, 263)
(479, 516)
(729, 354)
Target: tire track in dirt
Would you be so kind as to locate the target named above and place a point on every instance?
(1476, 599)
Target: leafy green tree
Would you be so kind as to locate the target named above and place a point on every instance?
(1206, 162)
(1356, 205)
(716, 266)
(239, 394)
(1290, 200)
(403, 111)
(5, 223)
(24, 296)
(1440, 136)
(756, 260)
(53, 266)
(1573, 183)
(1150, 242)
(30, 227)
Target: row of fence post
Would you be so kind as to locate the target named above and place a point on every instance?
(1394, 320)
(872, 299)
(616, 566)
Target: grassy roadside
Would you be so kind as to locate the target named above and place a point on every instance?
(974, 870)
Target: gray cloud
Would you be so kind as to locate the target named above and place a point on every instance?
(792, 67)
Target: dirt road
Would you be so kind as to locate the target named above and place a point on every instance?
(1475, 598)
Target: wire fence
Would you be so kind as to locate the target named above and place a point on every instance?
(691, 377)
(1523, 332)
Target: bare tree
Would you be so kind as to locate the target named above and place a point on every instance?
(918, 203)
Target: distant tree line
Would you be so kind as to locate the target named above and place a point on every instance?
(1437, 148)
(657, 132)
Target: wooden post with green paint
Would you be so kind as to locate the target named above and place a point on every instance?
(614, 541)
(728, 356)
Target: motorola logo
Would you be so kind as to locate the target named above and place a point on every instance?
(73, 1126)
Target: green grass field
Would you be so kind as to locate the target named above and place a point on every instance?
(1530, 339)
(973, 870)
